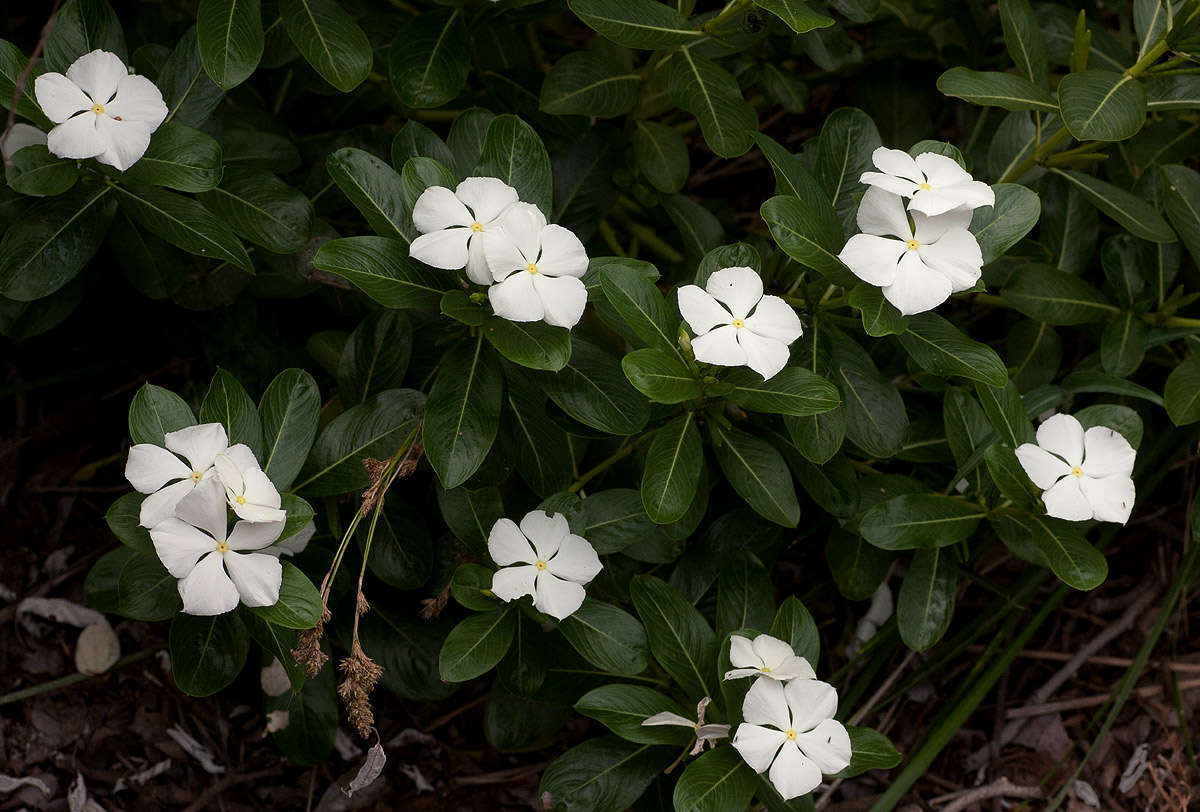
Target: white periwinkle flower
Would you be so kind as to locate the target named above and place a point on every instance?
(217, 570)
(101, 109)
(1083, 474)
(766, 656)
(790, 733)
(250, 492)
(536, 268)
(150, 467)
(704, 731)
(736, 325)
(936, 183)
(552, 563)
(918, 266)
(455, 226)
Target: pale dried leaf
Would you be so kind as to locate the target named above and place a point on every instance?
(371, 767)
(1134, 769)
(97, 649)
(347, 749)
(274, 679)
(10, 783)
(77, 796)
(59, 610)
(414, 773)
(196, 750)
(277, 720)
(1085, 793)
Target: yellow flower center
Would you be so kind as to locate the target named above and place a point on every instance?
(477, 226)
(913, 245)
(197, 476)
(241, 500)
(766, 669)
(97, 108)
(1077, 471)
(925, 187)
(222, 547)
(738, 324)
(791, 735)
(532, 267)
(540, 564)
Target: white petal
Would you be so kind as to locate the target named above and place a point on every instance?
(503, 255)
(207, 590)
(890, 183)
(523, 224)
(547, 532)
(930, 229)
(881, 213)
(758, 745)
(737, 288)
(700, 310)
(478, 270)
(242, 456)
(515, 298)
(775, 318)
(742, 653)
(258, 513)
(179, 545)
(766, 356)
(127, 142)
(256, 576)
(59, 97)
(98, 74)
(740, 673)
(562, 253)
(811, 702)
(486, 197)
(941, 170)
(205, 508)
(437, 208)
(944, 199)
(1065, 500)
(149, 467)
(1111, 497)
(508, 545)
(771, 650)
(293, 544)
(1043, 467)
(163, 503)
(719, 347)
(138, 100)
(200, 444)
(230, 474)
(446, 249)
(254, 535)
(77, 138)
(957, 256)
(556, 597)
(259, 489)
(874, 260)
(1062, 434)
(576, 560)
(510, 583)
(1106, 452)
(828, 745)
(793, 774)
(563, 298)
(793, 667)
(917, 287)
(897, 162)
(20, 136)
(667, 718)
(766, 704)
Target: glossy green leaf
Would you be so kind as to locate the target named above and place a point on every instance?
(462, 414)
(990, 88)
(1130, 211)
(375, 190)
(289, 411)
(661, 155)
(636, 23)
(231, 39)
(680, 638)
(623, 708)
(920, 521)
(380, 268)
(227, 403)
(758, 473)
(589, 83)
(926, 601)
(608, 637)
(1102, 105)
(713, 96)
(939, 347)
(672, 470)
(329, 39)
(183, 222)
(207, 653)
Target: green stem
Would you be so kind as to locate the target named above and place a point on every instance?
(1142, 65)
(602, 466)
(72, 679)
(730, 11)
(1036, 156)
(1172, 321)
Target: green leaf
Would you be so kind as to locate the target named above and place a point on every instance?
(661, 156)
(289, 412)
(123, 518)
(603, 774)
(375, 357)
(539, 447)
(1086, 380)
(48, 246)
(376, 428)
(745, 597)
(622, 709)
(1123, 344)
(329, 39)
(798, 16)
(758, 473)
(1121, 258)
(535, 345)
(207, 653)
(939, 347)
(793, 391)
(430, 58)
(870, 749)
(1181, 200)
(154, 412)
(794, 625)
(607, 637)
(1181, 395)
(299, 605)
(615, 519)
(858, 567)
(848, 137)
(402, 553)
(642, 306)
(920, 521)
(514, 153)
(589, 83)
(37, 173)
(1074, 560)
(523, 669)
(785, 88)
(466, 137)
(672, 470)
(699, 228)
(712, 95)
(376, 191)
(990, 88)
(470, 515)
(1034, 353)
(1000, 227)
(380, 268)
(415, 140)
(592, 389)
(1056, 297)
(1122, 419)
(808, 237)
(718, 780)
(879, 316)
(636, 23)
(1005, 412)
(875, 416)
(1136, 215)
(191, 96)
(312, 718)
(133, 584)
(680, 638)
(1164, 93)
(476, 645)
(263, 209)
(926, 601)
(80, 27)
(462, 414)
(1102, 105)
(12, 65)
(179, 157)
(231, 39)
(1023, 38)
(185, 223)
(793, 178)
(227, 403)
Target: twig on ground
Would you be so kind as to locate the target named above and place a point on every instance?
(1003, 788)
(1116, 662)
(1029, 711)
(204, 801)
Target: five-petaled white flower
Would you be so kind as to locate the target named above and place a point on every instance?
(536, 268)
(456, 226)
(554, 563)
(704, 731)
(728, 333)
(217, 568)
(766, 656)
(917, 268)
(102, 111)
(789, 730)
(936, 183)
(150, 467)
(251, 493)
(1083, 474)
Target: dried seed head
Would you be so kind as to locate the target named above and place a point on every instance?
(360, 674)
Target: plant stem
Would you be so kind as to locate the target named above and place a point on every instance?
(730, 11)
(1036, 156)
(71, 679)
(1142, 65)
(602, 466)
